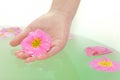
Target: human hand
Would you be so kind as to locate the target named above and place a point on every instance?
(57, 25)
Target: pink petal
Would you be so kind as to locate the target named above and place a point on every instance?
(115, 65)
(45, 46)
(97, 50)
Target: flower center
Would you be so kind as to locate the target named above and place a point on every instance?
(105, 63)
(1, 34)
(36, 43)
(11, 30)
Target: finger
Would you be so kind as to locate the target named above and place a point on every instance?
(55, 48)
(21, 55)
(53, 51)
(50, 53)
(17, 40)
(42, 57)
(30, 59)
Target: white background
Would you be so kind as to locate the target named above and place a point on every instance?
(96, 19)
(22, 12)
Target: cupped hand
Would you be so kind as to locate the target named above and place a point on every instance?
(56, 25)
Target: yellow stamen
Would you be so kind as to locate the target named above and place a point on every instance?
(1, 34)
(11, 30)
(36, 43)
(105, 63)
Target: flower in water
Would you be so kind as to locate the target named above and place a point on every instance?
(11, 31)
(2, 35)
(36, 43)
(105, 65)
(97, 50)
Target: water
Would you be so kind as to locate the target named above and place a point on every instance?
(69, 64)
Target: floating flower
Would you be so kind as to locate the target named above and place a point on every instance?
(97, 50)
(105, 65)
(11, 31)
(2, 35)
(36, 43)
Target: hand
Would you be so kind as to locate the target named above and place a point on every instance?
(56, 25)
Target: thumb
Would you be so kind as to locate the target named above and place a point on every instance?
(17, 40)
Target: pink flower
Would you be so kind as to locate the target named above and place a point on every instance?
(2, 35)
(36, 43)
(105, 65)
(97, 50)
(11, 31)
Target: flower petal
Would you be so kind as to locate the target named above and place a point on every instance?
(44, 44)
(97, 50)
(112, 68)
